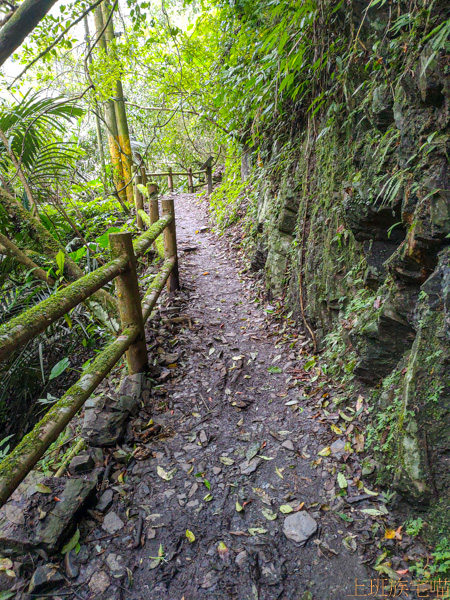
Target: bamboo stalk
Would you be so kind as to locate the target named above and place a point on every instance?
(119, 108)
(145, 240)
(111, 123)
(15, 467)
(78, 446)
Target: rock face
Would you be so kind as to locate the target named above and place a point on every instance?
(372, 256)
(299, 527)
(41, 511)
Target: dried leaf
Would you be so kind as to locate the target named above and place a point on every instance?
(167, 476)
(239, 507)
(256, 530)
(269, 514)
(252, 451)
(286, 509)
(279, 472)
(43, 489)
(226, 461)
(325, 451)
(190, 536)
(342, 482)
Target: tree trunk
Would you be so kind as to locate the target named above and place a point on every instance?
(119, 107)
(20, 24)
(98, 128)
(111, 123)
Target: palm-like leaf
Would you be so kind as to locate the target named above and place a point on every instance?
(32, 123)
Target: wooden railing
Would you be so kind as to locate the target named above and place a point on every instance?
(133, 314)
(170, 174)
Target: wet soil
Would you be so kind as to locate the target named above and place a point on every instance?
(236, 456)
(228, 397)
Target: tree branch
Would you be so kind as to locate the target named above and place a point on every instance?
(53, 44)
(20, 24)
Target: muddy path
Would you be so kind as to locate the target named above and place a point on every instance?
(236, 462)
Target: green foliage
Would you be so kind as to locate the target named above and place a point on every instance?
(228, 198)
(414, 526)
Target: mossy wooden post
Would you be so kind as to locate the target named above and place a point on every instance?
(170, 180)
(153, 208)
(138, 199)
(190, 181)
(127, 289)
(209, 179)
(170, 244)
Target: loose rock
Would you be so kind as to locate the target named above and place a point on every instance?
(81, 463)
(112, 523)
(299, 527)
(45, 578)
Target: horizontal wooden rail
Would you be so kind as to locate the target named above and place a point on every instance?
(185, 173)
(15, 467)
(16, 332)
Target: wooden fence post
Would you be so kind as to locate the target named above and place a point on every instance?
(209, 179)
(170, 180)
(127, 290)
(170, 244)
(138, 199)
(153, 209)
(190, 181)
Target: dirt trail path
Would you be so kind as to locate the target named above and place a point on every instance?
(223, 407)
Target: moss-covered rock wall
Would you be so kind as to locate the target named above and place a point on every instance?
(352, 226)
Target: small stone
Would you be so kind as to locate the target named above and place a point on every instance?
(338, 448)
(112, 523)
(299, 527)
(288, 445)
(81, 463)
(248, 467)
(99, 583)
(45, 578)
(132, 385)
(193, 489)
(241, 558)
(192, 504)
(115, 564)
(97, 456)
(72, 570)
(217, 470)
(105, 501)
(168, 359)
(203, 438)
(151, 534)
(181, 499)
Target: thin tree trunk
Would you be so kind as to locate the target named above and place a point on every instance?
(12, 250)
(20, 172)
(98, 128)
(119, 106)
(111, 124)
(20, 24)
